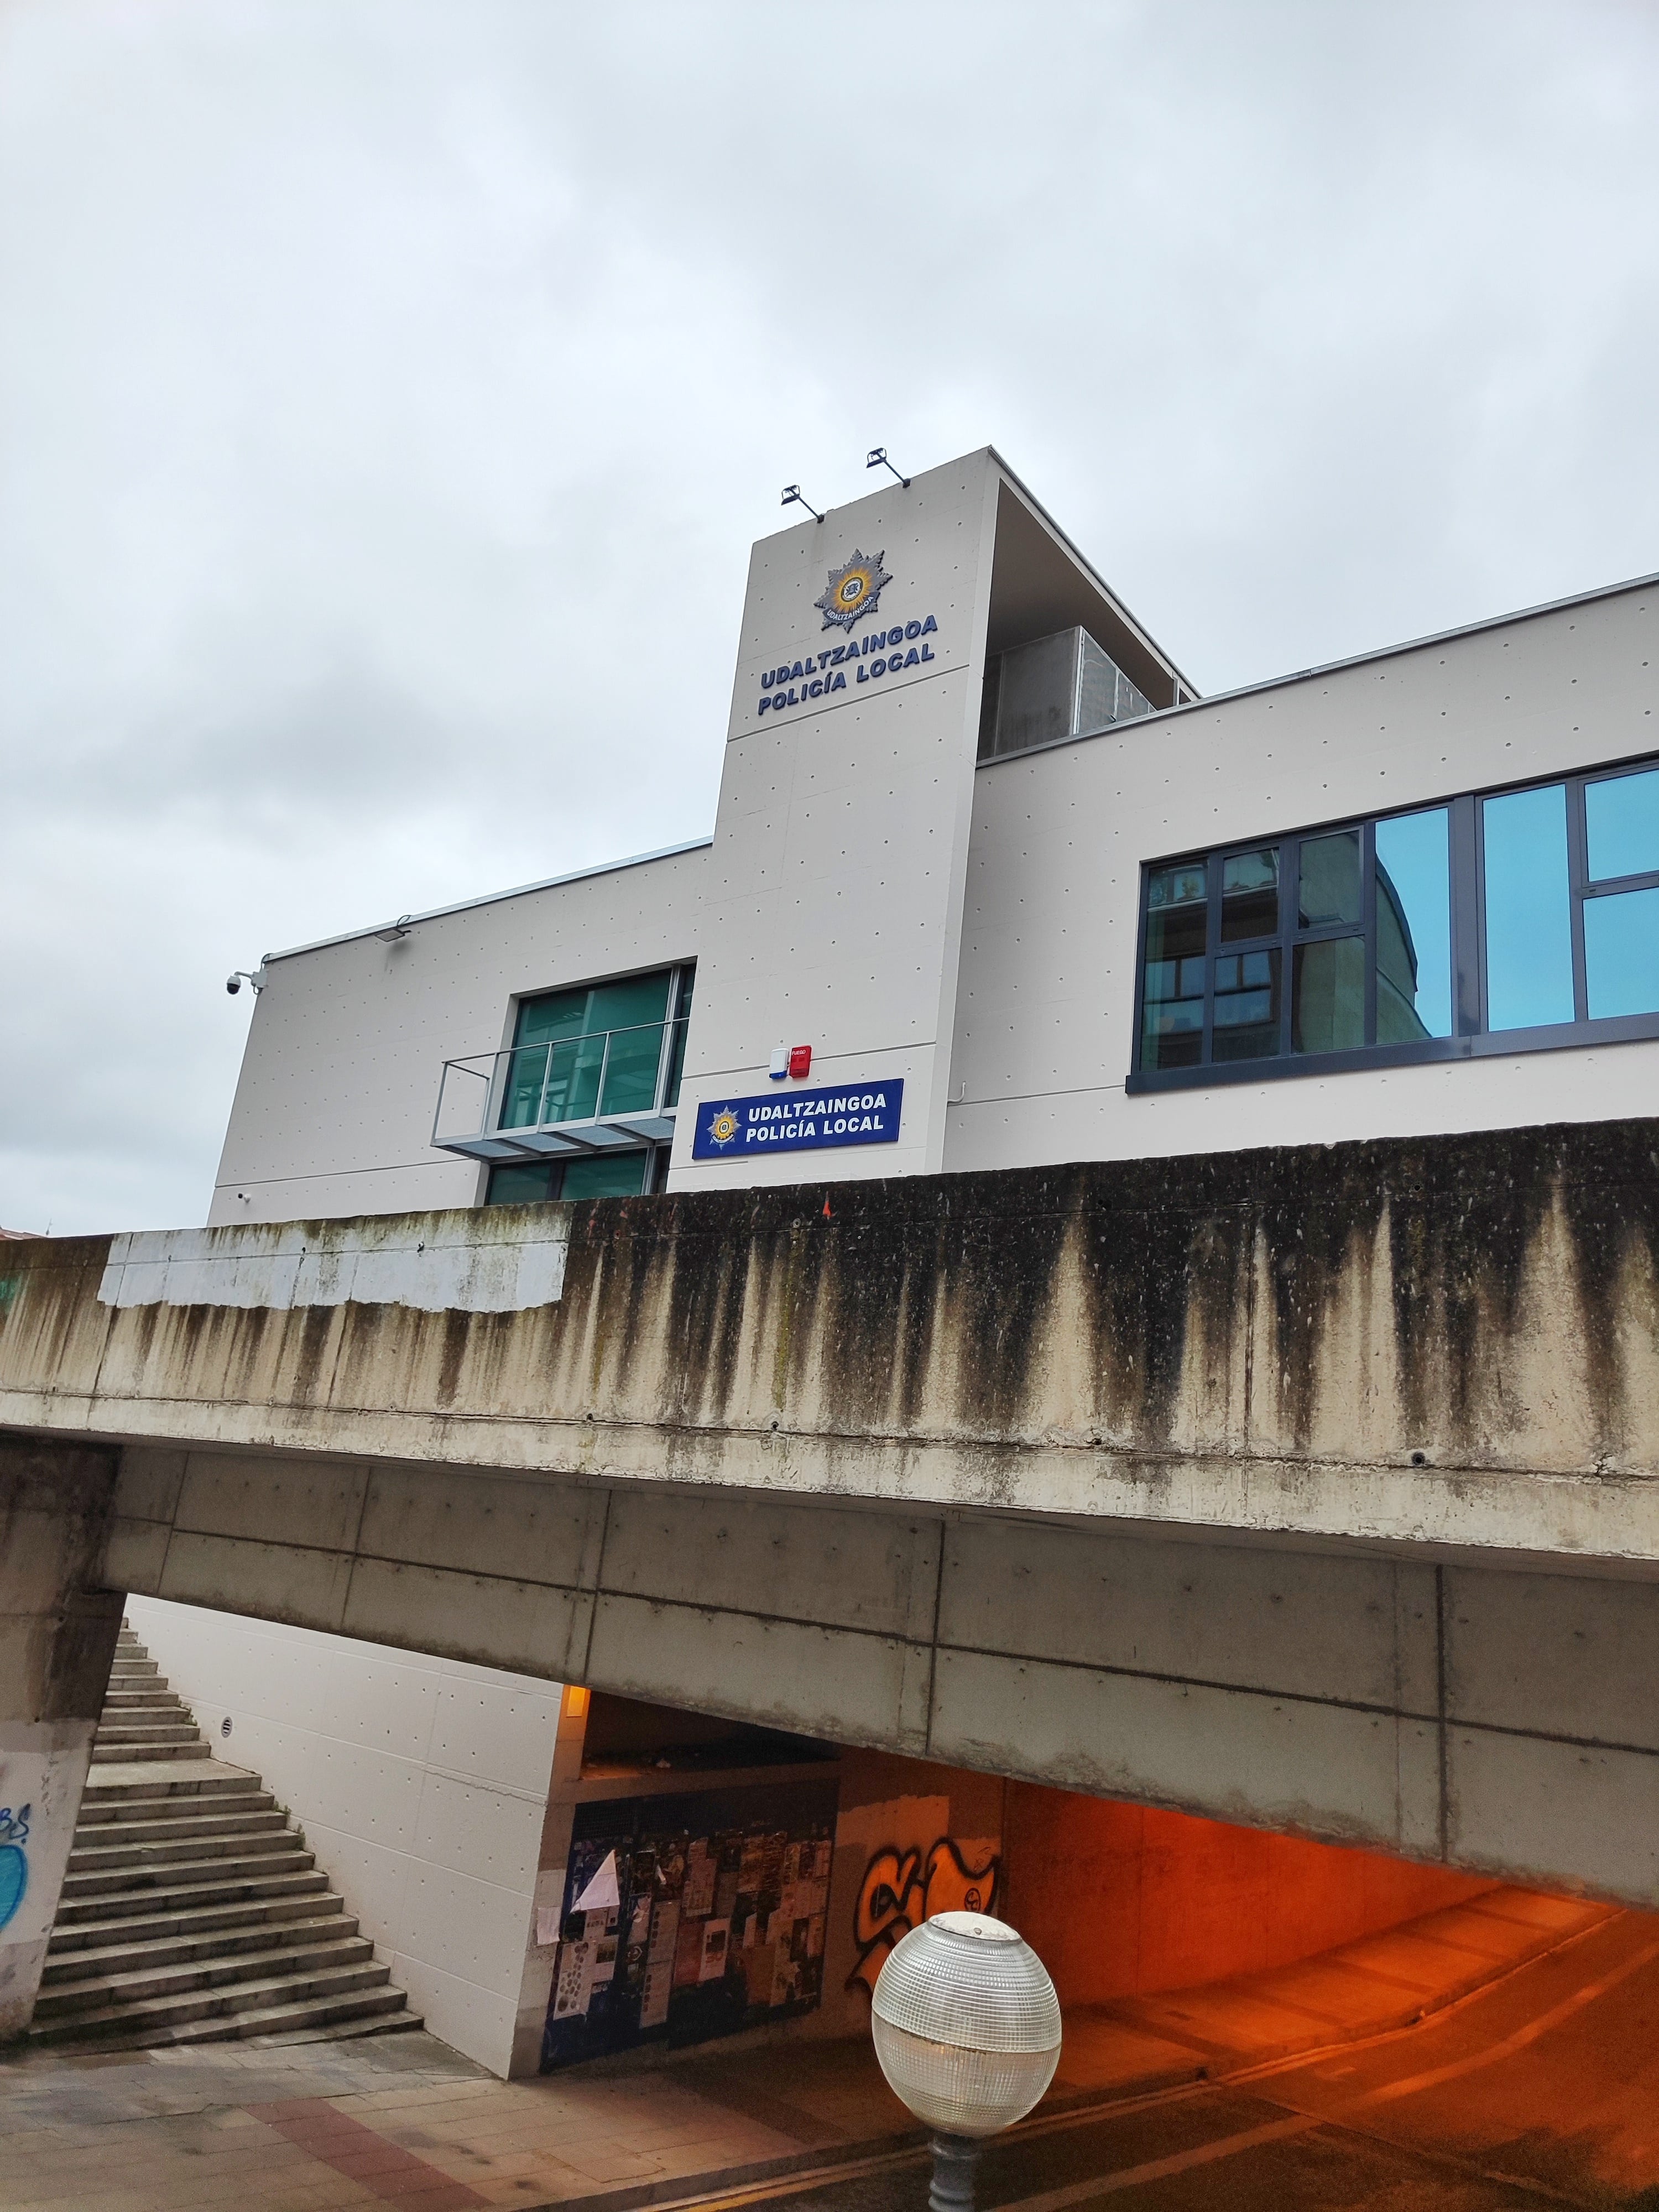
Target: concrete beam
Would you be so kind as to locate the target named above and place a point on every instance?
(1487, 1717)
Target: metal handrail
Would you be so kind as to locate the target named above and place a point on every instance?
(494, 1070)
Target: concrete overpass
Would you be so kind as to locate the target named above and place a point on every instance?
(1313, 1489)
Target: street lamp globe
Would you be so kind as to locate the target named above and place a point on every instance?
(967, 2030)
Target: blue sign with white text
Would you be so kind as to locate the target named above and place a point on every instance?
(851, 1114)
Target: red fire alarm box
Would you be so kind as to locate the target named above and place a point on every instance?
(800, 1060)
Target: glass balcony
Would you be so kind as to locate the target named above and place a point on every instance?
(595, 1093)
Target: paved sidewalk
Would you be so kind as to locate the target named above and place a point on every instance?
(402, 2120)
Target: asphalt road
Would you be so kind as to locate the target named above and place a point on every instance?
(1544, 2091)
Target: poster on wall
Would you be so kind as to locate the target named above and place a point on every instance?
(690, 1917)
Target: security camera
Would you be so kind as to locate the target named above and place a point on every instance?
(233, 984)
(238, 977)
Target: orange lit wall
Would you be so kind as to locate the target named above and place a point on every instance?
(1119, 1900)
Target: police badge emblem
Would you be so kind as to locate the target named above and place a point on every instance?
(853, 590)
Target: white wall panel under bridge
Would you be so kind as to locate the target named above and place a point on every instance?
(420, 1784)
(1493, 1717)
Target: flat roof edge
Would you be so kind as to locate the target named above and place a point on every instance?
(1335, 667)
(1064, 537)
(494, 898)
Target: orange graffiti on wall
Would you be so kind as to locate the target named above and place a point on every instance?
(902, 1889)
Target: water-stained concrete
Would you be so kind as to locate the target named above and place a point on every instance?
(1452, 1338)
(1310, 1489)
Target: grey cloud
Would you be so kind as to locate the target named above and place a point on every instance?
(390, 390)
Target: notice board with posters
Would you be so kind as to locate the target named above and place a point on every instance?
(689, 1917)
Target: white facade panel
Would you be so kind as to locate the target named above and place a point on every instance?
(333, 1112)
(1045, 1017)
(421, 1786)
(834, 904)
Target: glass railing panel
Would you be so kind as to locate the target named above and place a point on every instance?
(630, 1070)
(670, 1096)
(582, 1079)
(573, 1096)
(527, 1080)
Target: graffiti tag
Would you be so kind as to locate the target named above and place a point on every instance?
(14, 1864)
(902, 1889)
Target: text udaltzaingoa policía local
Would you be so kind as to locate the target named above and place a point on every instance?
(864, 1114)
(882, 653)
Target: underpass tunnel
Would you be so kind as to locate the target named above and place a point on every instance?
(557, 1875)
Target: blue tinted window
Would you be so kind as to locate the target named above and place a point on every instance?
(1529, 909)
(1328, 997)
(1249, 896)
(1621, 825)
(1449, 932)
(1330, 889)
(1413, 927)
(1177, 911)
(1621, 953)
(1246, 1005)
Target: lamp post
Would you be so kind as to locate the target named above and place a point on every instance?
(967, 2030)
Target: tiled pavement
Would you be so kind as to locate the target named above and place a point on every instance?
(403, 2121)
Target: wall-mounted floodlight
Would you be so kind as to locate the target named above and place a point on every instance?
(394, 932)
(792, 498)
(238, 977)
(878, 460)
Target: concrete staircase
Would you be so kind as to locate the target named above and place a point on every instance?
(192, 1911)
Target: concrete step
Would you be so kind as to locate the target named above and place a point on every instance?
(313, 1991)
(159, 1802)
(145, 1954)
(180, 1738)
(223, 1841)
(185, 1779)
(192, 1910)
(398, 2023)
(280, 1880)
(112, 1754)
(309, 1899)
(300, 1959)
(148, 1727)
(364, 2012)
(285, 1855)
(210, 1816)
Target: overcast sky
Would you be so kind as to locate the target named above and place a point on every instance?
(390, 392)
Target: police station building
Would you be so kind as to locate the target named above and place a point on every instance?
(991, 886)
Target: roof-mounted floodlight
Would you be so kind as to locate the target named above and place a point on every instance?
(792, 498)
(394, 932)
(878, 460)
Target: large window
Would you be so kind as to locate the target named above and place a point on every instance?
(599, 1175)
(604, 1049)
(583, 1056)
(1504, 921)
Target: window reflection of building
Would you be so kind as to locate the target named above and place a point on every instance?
(1398, 1021)
(1247, 1004)
(1178, 919)
(1303, 927)
(1328, 990)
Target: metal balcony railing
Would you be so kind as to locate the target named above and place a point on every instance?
(596, 1092)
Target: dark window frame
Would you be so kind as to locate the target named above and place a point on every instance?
(1471, 1039)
